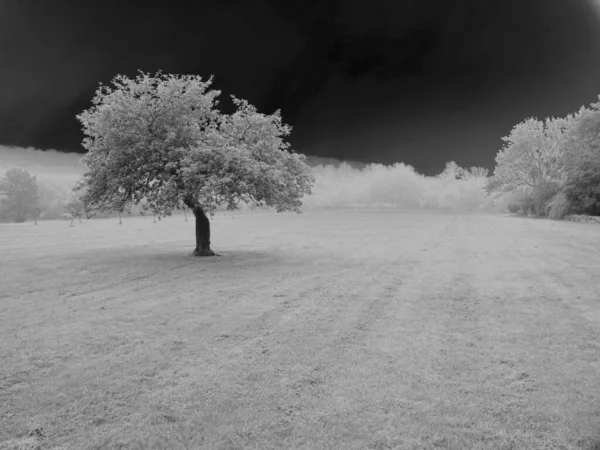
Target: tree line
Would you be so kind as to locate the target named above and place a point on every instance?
(551, 168)
(156, 144)
(22, 198)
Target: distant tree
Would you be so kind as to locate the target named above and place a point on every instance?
(582, 161)
(161, 139)
(35, 213)
(75, 208)
(120, 212)
(52, 197)
(452, 171)
(532, 153)
(476, 172)
(20, 192)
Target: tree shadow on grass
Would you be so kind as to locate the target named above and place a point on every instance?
(233, 257)
(227, 257)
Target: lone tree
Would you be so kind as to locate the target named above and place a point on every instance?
(159, 141)
(75, 208)
(20, 192)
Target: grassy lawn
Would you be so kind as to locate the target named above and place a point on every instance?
(327, 330)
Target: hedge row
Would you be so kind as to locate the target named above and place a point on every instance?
(582, 218)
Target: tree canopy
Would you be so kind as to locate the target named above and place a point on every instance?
(160, 142)
(20, 191)
(553, 164)
(532, 154)
(582, 160)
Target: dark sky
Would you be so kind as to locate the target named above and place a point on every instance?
(417, 81)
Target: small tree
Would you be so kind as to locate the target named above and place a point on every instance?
(161, 139)
(75, 208)
(452, 171)
(21, 194)
(35, 213)
(52, 197)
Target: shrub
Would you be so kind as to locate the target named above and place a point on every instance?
(582, 218)
(542, 194)
(558, 207)
(513, 208)
(526, 205)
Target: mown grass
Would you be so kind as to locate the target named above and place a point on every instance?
(354, 330)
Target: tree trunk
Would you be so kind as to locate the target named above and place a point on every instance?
(202, 234)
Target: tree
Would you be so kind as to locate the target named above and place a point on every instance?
(35, 213)
(159, 141)
(21, 194)
(75, 207)
(582, 161)
(52, 197)
(532, 153)
(452, 171)
(476, 172)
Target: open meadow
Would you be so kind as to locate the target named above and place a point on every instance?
(325, 330)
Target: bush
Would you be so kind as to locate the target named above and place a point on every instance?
(582, 218)
(9, 216)
(558, 207)
(584, 202)
(526, 206)
(542, 194)
(513, 208)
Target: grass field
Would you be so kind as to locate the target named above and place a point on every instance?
(327, 330)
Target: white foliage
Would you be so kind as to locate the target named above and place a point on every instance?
(533, 153)
(397, 186)
(159, 141)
